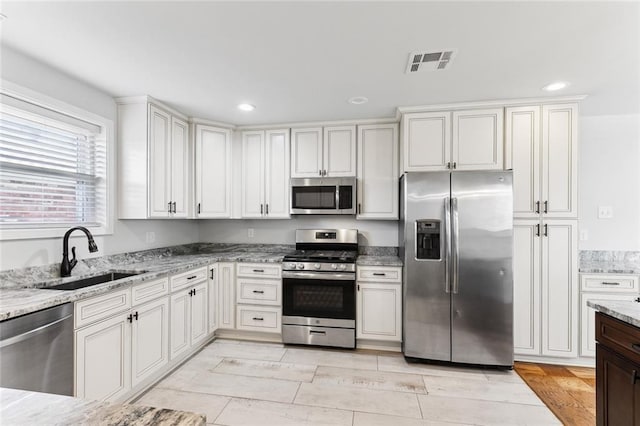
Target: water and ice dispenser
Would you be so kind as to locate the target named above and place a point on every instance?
(428, 239)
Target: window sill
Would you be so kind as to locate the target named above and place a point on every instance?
(53, 232)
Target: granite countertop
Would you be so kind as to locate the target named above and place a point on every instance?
(18, 407)
(25, 291)
(373, 260)
(623, 310)
(609, 262)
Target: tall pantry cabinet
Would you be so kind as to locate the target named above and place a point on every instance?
(541, 148)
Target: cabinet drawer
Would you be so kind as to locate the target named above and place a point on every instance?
(258, 318)
(267, 270)
(618, 336)
(382, 274)
(610, 283)
(147, 291)
(188, 278)
(100, 307)
(259, 292)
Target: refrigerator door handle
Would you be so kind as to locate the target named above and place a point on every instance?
(447, 244)
(454, 244)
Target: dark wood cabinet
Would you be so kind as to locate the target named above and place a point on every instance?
(617, 372)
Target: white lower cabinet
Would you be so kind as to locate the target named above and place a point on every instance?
(546, 288)
(619, 287)
(259, 297)
(226, 295)
(149, 339)
(189, 318)
(213, 297)
(103, 359)
(379, 303)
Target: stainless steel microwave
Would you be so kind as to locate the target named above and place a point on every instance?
(323, 196)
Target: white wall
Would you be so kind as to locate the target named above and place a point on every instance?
(609, 168)
(128, 235)
(372, 233)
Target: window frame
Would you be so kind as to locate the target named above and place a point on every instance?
(107, 133)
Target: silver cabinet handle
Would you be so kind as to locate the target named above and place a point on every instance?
(317, 332)
(447, 245)
(454, 243)
(537, 206)
(609, 283)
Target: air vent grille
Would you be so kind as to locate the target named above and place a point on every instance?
(430, 60)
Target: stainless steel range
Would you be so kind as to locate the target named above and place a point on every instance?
(319, 289)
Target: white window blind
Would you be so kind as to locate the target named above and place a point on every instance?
(52, 173)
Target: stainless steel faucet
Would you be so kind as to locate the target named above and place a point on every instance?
(67, 265)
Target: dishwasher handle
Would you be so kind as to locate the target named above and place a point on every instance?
(29, 334)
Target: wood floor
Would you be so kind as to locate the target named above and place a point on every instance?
(570, 392)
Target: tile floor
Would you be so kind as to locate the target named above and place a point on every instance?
(247, 383)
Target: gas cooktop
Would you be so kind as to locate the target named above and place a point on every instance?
(331, 256)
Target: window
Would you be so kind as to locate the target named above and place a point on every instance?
(53, 171)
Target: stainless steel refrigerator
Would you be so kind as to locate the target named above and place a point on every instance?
(456, 241)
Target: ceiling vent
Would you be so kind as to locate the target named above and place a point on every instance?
(421, 60)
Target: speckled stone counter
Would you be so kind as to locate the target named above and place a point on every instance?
(610, 262)
(23, 291)
(378, 261)
(623, 310)
(33, 408)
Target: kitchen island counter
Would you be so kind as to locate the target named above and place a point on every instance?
(623, 310)
(19, 407)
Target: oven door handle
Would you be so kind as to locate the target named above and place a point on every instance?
(331, 276)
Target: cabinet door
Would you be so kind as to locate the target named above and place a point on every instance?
(379, 308)
(478, 141)
(103, 359)
(212, 293)
(560, 288)
(276, 174)
(149, 339)
(180, 323)
(306, 152)
(180, 169)
(560, 160)
(226, 295)
(253, 174)
(339, 152)
(159, 162)
(617, 389)
(526, 287)
(426, 141)
(199, 314)
(378, 172)
(588, 319)
(213, 172)
(523, 156)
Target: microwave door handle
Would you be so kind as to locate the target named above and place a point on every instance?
(338, 198)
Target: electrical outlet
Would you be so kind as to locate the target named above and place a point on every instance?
(250, 232)
(584, 235)
(605, 212)
(150, 237)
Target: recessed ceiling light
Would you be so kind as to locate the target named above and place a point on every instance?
(358, 100)
(555, 86)
(246, 107)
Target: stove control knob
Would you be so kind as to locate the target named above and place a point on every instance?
(334, 266)
(300, 266)
(343, 267)
(316, 266)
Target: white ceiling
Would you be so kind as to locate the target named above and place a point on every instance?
(301, 61)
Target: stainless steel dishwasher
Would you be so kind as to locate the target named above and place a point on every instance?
(36, 351)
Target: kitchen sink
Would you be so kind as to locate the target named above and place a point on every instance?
(88, 282)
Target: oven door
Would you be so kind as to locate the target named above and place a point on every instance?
(316, 298)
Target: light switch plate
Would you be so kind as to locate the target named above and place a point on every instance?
(584, 235)
(150, 237)
(605, 212)
(250, 232)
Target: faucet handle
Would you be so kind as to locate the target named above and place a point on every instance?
(73, 261)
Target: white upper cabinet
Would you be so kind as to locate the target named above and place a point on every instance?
(541, 146)
(317, 152)
(477, 139)
(426, 141)
(159, 186)
(378, 172)
(265, 174)
(213, 172)
(458, 140)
